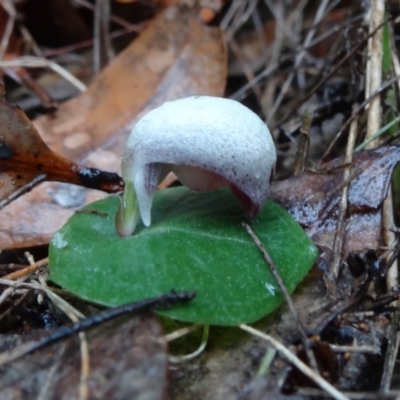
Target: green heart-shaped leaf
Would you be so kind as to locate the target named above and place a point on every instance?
(196, 242)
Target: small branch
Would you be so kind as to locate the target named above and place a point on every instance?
(8, 6)
(22, 190)
(200, 349)
(374, 79)
(26, 271)
(167, 300)
(303, 144)
(305, 369)
(355, 113)
(391, 353)
(355, 349)
(374, 67)
(325, 78)
(282, 286)
(340, 227)
(102, 49)
(15, 305)
(38, 62)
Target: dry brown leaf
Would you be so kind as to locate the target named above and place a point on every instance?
(24, 157)
(313, 199)
(175, 56)
(126, 361)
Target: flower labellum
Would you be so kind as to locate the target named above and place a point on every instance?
(208, 142)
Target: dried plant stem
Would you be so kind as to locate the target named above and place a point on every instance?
(167, 300)
(119, 21)
(355, 349)
(37, 62)
(340, 227)
(22, 190)
(8, 5)
(299, 57)
(391, 353)
(85, 367)
(374, 67)
(311, 393)
(11, 289)
(74, 315)
(305, 369)
(289, 301)
(28, 270)
(324, 79)
(303, 147)
(200, 349)
(50, 378)
(181, 332)
(102, 48)
(392, 276)
(246, 68)
(355, 113)
(374, 81)
(15, 304)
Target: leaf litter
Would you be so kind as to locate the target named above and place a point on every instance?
(361, 317)
(137, 344)
(92, 128)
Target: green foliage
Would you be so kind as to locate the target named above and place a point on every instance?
(196, 242)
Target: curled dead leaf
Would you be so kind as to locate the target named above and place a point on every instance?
(25, 160)
(313, 199)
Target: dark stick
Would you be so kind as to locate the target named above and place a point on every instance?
(164, 301)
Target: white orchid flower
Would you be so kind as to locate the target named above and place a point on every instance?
(208, 142)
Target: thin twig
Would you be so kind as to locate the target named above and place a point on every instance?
(125, 24)
(391, 353)
(374, 66)
(81, 45)
(11, 288)
(303, 144)
(27, 271)
(341, 220)
(15, 305)
(299, 57)
(102, 48)
(168, 300)
(12, 14)
(324, 79)
(355, 349)
(181, 332)
(240, 14)
(200, 349)
(318, 394)
(37, 62)
(59, 357)
(74, 315)
(305, 369)
(374, 79)
(376, 135)
(85, 367)
(282, 287)
(356, 112)
(22, 190)
(246, 68)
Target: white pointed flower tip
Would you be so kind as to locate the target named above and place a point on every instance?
(208, 142)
